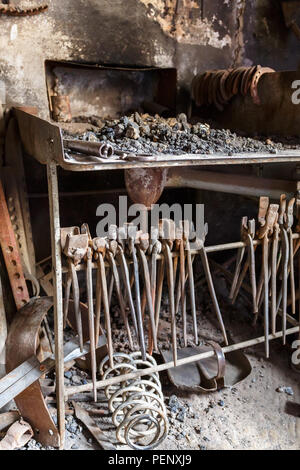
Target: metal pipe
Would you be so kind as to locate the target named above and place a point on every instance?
(208, 249)
(169, 365)
(229, 183)
(58, 297)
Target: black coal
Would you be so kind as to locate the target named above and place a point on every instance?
(155, 135)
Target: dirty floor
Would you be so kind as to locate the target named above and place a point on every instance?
(261, 412)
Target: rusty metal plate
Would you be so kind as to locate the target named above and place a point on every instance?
(11, 255)
(41, 139)
(145, 186)
(201, 376)
(22, 343)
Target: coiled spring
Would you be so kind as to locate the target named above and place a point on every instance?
(137, 405)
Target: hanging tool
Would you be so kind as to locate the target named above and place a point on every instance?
(239, 259)
(154, 250)
(186, 235)
(142, 246)
(89, 284)
(111, 254)
(100, 247)
(247, 236)
(167, 234)
(264, 233)
(288, 224)
(178, 296)
(74, 247)
(177, 241)
(262, 213)
(285, 260)
(160, 283)
(285, 222)
(131, 239)
(126, 276)
(182, 289)
(274, 270)
(200, 245)
(64, 232)
(297, 245)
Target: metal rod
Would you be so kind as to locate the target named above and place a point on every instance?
(89, 283)
(237, 184)
(147, 284)
(213, 296)
(274, 276)
(58, 297)
(182, 292)
(169, 365)
(170, 280)
(208, 249)
(126, 279)
(138, 299)
(106, 309)
(98, 305)
(117, 285)
(266, 292)
(80, 193)
(160, 282)
(192, 290)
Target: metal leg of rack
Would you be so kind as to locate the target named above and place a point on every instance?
(58, 296)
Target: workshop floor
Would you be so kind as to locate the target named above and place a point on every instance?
(261, 412)
(252, 415)
(256, 413)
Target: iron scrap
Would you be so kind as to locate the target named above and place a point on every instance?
(12, 10)
(218, 87)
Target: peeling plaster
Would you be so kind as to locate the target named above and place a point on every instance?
(132, 32)
(239, 43)
(161, 57)
(183, 21)
(23, 54)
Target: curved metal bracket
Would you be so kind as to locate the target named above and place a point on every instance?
(22, 343)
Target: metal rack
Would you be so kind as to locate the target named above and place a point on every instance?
(43, 141)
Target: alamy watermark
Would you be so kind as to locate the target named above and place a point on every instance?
(2, 92)
(296, 354)
(296, 93)
(148, 220)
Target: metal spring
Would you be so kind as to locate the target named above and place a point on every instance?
(137, 405)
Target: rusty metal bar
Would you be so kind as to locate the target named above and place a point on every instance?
(3, 333)
(169, 365)
(11, 255)
(208, 249)
(58, 296)
(244, 185)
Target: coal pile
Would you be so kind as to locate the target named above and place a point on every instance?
(143, 133)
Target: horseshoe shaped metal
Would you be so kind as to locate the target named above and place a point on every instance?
(22, 343)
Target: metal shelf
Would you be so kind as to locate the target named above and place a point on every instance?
(42, 140)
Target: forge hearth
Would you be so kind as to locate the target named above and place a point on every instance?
(150, 223)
